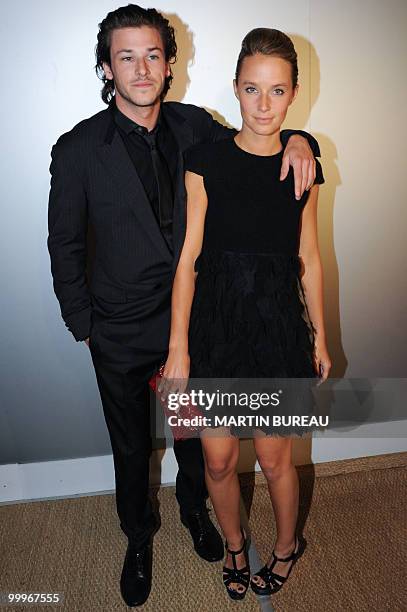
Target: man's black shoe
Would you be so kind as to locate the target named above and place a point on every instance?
(207, 541)
(135, 581)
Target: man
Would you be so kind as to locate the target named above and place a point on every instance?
(120, 174)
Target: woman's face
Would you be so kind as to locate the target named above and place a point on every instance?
(265, 92)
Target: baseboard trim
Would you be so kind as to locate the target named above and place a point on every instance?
(344, 466)
(95, 475)
(73, 477)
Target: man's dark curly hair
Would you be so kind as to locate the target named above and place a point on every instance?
(132, 16)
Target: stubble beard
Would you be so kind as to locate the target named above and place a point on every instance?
(137, 102)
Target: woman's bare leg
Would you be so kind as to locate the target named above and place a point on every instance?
(221, 455)
(274, 456)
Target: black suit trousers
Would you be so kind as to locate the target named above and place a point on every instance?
(126, 350)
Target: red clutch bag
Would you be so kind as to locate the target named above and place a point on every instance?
(184, 416)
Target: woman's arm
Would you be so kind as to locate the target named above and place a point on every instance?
(177, 366)
(312, 280)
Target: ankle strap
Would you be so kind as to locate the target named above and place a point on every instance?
(235, 552)
(291, 556)
(283, 558)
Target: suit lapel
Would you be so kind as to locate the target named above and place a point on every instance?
(117, 162)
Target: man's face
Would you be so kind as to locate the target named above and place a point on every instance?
(265, 92)
(137, 65)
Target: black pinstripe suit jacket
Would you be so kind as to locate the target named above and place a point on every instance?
(95, 187)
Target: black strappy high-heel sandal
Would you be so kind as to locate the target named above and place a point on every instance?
(239, 576)
(273, 581)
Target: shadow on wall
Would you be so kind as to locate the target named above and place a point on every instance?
(298, 117)
(185, 57)
(216, 115)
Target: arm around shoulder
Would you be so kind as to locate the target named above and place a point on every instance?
(313, 142)
(208, 129)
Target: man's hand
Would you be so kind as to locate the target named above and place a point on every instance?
(87, 341)
(298, 154)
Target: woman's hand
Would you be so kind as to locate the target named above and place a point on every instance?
(176, 373)
(322, 361)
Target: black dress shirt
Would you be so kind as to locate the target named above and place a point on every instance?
(136, 141)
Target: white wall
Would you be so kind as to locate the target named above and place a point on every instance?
(352, 98)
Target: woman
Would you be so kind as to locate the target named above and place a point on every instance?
(241, 315)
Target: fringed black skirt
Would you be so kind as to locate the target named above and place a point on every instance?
(249, 319)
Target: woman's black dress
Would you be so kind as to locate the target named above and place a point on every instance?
(248, 318)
